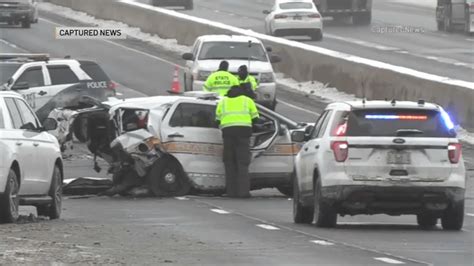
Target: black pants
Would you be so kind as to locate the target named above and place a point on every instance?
(236, 162)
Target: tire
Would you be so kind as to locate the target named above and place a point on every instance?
(440, 25)
(453, 217)
(286, 190)
(80, 130)
(447, 23)
(53, 209)
(10, 201)
(324, 214)
(317, 36)
(166, 179)
(426, 221)
(362, 19)
(301, 214)
(26, 23)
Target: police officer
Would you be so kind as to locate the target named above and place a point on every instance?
(235, 114)
(221, 81)
(244, 77)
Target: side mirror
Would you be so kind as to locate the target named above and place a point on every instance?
(269, 49)
(21, 86)
(275, 59)
(266, 12)
(50, 124)
(188, 56)
(298, 136)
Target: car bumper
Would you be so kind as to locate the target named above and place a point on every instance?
(296, 26)
(13, 15)
(394, 200)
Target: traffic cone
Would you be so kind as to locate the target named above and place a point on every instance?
(175, 85)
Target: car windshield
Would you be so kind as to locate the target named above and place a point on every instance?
(232, 50)
(395, 122)
(7, 70)
(296, 5)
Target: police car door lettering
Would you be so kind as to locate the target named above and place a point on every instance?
(96, 85)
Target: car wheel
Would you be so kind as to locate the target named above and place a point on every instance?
(10, 201)
(301, 214)
(167, 179)
(26, 23)
(362, 19)
(53, 209)
(317, 35)
(448, 25)
(453, 217)
(324, 215)
(426, 221)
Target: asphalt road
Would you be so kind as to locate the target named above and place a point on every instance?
(205, 230)
(423, 48)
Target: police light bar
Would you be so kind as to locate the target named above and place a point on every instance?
(396, 117)
(35, 57)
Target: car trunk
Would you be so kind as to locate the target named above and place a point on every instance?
(396, 144)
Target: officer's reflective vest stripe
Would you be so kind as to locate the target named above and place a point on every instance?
(250, 79)
(220, 82)
(238, 111)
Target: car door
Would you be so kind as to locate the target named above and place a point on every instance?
(306, 161)
(44, 148)
(190, 133)
(34, 77)
(190, 67)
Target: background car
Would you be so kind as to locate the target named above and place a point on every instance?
(291, 18)
(15, 12)
(31, 168)
(381, 157)
(47, 83)
(209, 50)
(187, 4)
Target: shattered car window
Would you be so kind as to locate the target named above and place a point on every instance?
(194, 115)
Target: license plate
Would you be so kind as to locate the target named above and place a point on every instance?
(297, 17)
(398, 157)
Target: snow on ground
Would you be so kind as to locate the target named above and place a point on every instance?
(420, 3)
(308, 88)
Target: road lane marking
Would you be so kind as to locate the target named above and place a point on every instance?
(298, 108)
(389, 260)
(322, 242)
(314, 236)
(268, 227)
(14, 46)
(219, 211)
(470, 214)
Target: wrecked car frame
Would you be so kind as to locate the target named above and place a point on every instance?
(172, 145)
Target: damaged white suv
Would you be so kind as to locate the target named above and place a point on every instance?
(381, 157)
(173, 144)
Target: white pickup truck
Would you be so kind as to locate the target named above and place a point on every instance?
(15, 12)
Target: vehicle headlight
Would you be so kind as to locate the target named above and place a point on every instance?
(203, 75)
(149, 144)
(267, 78)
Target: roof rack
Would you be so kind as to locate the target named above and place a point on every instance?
(31, 57)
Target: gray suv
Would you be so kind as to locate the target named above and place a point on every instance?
(16, 12)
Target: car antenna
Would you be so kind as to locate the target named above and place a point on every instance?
(250, 46)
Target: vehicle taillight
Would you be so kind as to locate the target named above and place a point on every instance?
(280, 16)
(341, 150)
(314, 16)
(454, 152)
(112, 85)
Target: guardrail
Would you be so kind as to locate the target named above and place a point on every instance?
(351, 74)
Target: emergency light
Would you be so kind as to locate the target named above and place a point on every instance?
(396, 117)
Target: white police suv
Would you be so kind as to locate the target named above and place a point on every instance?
(381, 157)
(31, 168)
